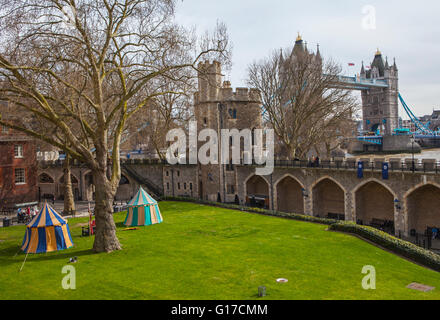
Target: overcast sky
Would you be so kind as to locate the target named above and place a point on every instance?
(406, 30)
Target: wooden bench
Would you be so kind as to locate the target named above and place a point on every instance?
(336, 216)
(378, 223)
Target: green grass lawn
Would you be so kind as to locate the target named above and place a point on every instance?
(202, 252)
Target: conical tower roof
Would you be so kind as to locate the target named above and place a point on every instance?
(299, 46)
(378, 63)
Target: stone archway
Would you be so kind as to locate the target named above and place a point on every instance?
(46, 187)
(374, 205)
(290, 196)
(75, 187)
(125, 189)
(89, 186)
(423, 208)
(257, 192)
(328, 199)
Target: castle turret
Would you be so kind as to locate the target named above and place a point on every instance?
(395, 67)
(318, 54)
(219, 107)
(210, 81)
(363, 74)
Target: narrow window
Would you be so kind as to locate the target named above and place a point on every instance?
(18, 150)
(20, 177)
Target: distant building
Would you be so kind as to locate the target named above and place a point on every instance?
(18, 169)
(431, 121)
(380, 106)
(408, 124)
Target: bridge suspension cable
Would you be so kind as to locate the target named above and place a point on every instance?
(424, 129)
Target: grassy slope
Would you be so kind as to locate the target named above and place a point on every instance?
(202, 252)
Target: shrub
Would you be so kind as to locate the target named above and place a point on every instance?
(399, 246)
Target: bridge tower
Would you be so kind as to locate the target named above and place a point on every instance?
(380, 106)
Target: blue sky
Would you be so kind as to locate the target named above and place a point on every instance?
(406, 30)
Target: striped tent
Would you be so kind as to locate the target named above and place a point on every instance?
(47, 232)
(143, 210)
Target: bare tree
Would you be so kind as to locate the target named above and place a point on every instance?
(69, 200)
(149, 129)
(124, 50)
(301, 102)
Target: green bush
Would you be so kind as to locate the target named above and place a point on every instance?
(401, 247)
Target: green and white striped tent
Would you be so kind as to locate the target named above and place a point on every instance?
(143, 210)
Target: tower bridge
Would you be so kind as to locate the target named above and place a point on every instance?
(358, 83)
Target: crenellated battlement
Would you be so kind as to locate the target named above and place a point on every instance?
(209, 67)
(212, 89)
(240, 94)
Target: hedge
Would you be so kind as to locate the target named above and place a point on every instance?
(383, 239)
(396, 245)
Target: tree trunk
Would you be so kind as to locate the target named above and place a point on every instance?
(105, 236)
(69, 203)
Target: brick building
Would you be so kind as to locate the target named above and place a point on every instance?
(18, 169)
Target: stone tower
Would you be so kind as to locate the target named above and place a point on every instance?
(217, 107)
(380, 106)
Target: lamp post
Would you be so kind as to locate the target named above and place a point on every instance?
(304, 193)
(413, 139)
(397, 204)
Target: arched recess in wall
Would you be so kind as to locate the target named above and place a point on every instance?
(374, 205)
(328, 199)
(422, 208)
(89, 186)
(45, 178)
(72, 177)
(75, 187)
(125, 190)
(257, 191)
(290, 196)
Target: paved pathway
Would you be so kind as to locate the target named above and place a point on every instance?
(82, 209)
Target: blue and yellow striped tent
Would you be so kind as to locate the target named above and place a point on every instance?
(143, 210)
(47, 232)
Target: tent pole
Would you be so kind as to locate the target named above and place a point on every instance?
(24, 261)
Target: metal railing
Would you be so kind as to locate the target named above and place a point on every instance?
(347, 164)
(429, 167)
(157, 191)
(423, 240)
